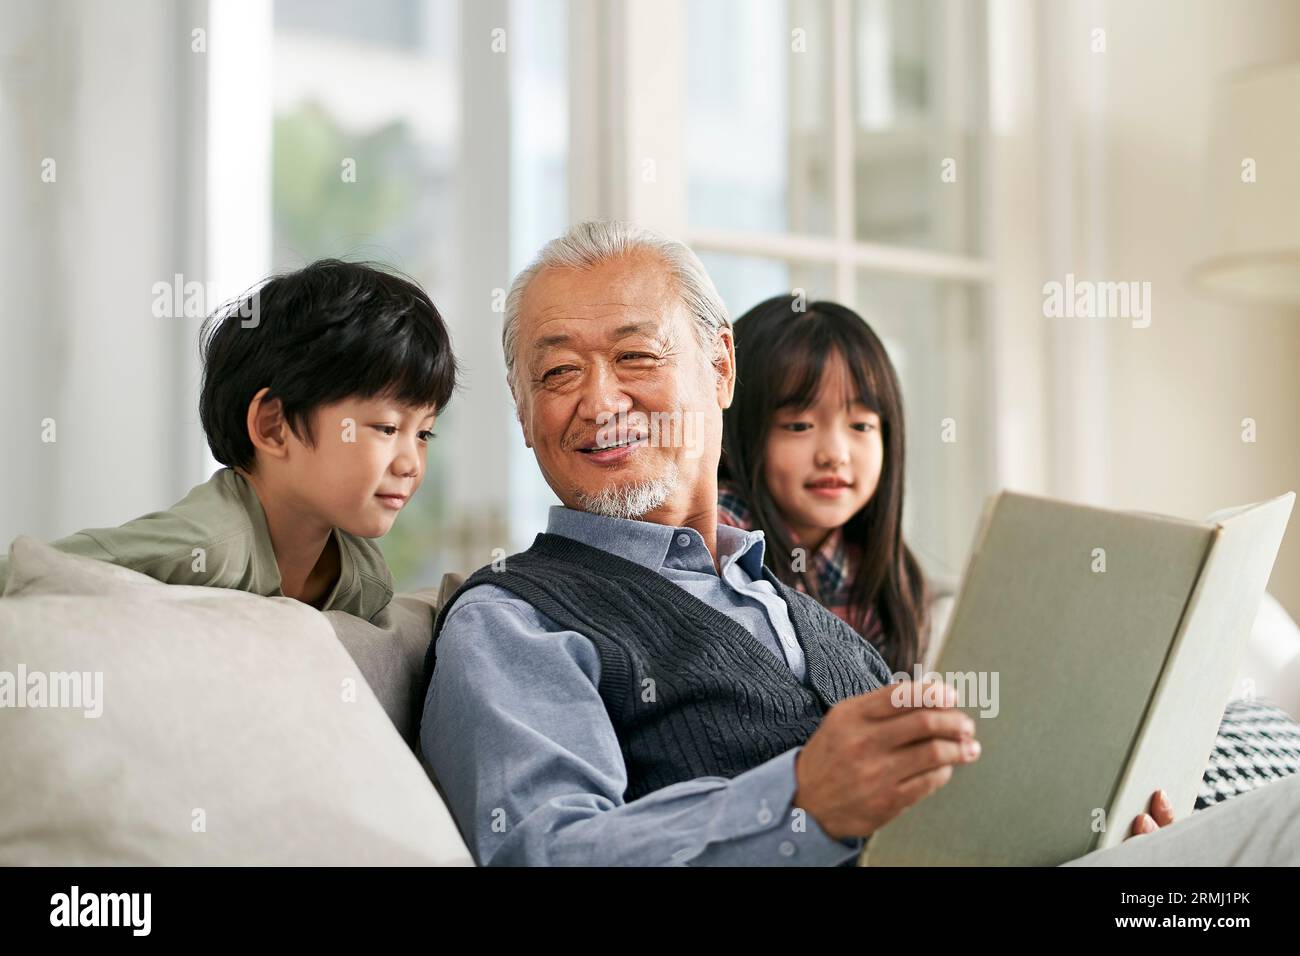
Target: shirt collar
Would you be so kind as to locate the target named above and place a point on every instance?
(266, 570)
(647, 543)
(832, 548)
(745, 548)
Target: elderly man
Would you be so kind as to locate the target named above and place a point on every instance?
(636, 688)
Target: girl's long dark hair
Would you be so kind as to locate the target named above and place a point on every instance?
(782, 352)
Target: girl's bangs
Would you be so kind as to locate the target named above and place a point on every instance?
(802, 359)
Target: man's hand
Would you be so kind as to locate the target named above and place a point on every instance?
(872, 758)
(1161, 815)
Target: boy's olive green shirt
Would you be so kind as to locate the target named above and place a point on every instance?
(216, 536)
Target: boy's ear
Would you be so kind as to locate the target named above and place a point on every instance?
(267, 428)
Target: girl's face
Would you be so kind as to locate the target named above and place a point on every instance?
(822, 463)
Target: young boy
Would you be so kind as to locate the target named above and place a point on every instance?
(319, 393)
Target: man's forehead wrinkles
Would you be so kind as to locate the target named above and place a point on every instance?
(558, 333)
(591, 310)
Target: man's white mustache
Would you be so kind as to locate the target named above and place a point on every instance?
(607, 441)
(612, 430)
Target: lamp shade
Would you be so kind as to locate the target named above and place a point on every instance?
(1254, 189)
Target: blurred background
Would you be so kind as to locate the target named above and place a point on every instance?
(931, 163)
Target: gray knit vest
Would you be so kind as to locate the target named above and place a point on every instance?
(690, 692)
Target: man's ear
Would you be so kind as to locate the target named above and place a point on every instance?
(724, 364)
(519, 417)
(267, 428)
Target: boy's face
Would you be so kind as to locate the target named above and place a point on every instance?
(367, 461)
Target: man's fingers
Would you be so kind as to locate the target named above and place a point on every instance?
(913, 725)
(922, 785)
(900, 698)
(921, 758)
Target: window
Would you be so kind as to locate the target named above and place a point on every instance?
(431, 135)
(837, 146)
(364, 143)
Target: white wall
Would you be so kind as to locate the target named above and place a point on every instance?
(102, 89)
(1179, 389)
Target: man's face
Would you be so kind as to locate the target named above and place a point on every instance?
(618, 401)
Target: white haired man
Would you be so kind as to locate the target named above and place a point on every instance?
(637, 688)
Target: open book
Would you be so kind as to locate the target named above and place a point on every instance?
(1096, 651)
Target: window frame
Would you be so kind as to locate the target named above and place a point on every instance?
(627, 85)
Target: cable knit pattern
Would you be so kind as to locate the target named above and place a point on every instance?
(689, 691)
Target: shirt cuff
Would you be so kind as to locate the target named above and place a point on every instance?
(772, 830)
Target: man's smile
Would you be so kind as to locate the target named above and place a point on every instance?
(608, 453)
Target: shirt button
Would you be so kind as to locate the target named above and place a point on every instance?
(786, 848)
(683, 539)
(765, 815)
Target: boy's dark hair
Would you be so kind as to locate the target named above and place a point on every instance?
(329, 331)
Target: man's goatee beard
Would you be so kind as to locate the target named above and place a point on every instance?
(631, 501)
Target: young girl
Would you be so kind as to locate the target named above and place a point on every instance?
(812, 454)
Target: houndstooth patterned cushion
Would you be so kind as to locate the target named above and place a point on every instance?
(1258, 742)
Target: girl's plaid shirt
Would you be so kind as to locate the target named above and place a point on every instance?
(832, 565)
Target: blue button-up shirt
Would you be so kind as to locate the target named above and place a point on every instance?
(517, 734)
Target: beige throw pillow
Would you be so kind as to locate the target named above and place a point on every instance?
(164, 724)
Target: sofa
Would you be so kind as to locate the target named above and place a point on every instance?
(234, 729)
(173, 725)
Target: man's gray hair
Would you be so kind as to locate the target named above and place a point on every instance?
(587, 245)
